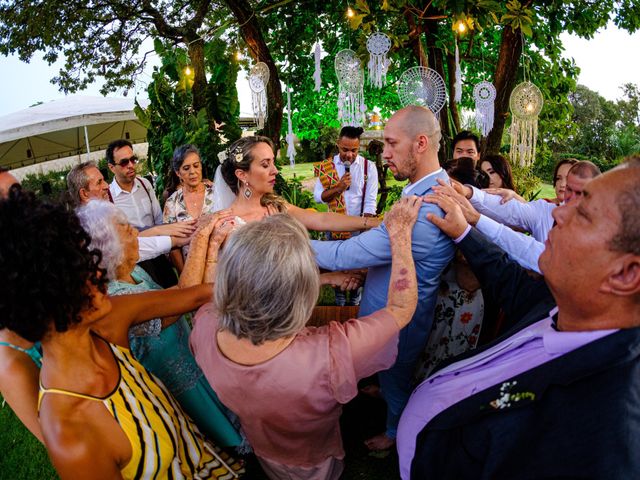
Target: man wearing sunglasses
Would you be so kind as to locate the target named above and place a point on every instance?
(136, 198)
(132, 194)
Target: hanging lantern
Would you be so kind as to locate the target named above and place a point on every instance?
(484, 94)
(378, 45)
(258, 79)
(525, 103)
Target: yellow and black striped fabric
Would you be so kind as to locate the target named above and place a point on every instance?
(165, 443)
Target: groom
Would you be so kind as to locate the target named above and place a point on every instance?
(411, 143)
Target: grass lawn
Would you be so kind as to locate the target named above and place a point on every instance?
(23, 457)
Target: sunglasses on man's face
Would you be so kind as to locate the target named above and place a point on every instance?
(125, 161)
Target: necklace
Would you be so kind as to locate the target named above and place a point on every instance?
(193, 198)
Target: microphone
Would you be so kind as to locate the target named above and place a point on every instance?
(347, 167)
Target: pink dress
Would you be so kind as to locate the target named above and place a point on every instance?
(289, 406)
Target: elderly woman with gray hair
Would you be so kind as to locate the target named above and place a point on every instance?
(161, 345)
(287, 382)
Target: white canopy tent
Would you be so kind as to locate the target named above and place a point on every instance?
(72, 126)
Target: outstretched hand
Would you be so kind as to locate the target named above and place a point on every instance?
(454, 223)
(208, 223)
(223, 226)
(345, 280)
(402, 216)
(506, 194)
(177, 229)
(452, 191)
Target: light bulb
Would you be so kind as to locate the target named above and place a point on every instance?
(187, 70)
(529, 107)
(461, 27)
(238, 55)
(350, 12)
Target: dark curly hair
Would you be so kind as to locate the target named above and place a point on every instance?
(46, 267)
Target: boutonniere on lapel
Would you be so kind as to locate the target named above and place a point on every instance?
(508, 396)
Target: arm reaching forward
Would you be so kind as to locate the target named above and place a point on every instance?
(403, 286)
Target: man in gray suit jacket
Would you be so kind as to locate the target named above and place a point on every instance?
(411, 143)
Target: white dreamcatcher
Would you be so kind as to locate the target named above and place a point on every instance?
(291, 148)
(350, 75)
(484, 94)
(525, 103)
(317, 74)
(258, 80)
(422, 86)
(378, 45)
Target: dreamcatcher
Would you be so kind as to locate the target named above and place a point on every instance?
(378, 45)
(258, 79)
(422, 86)
(484, 94)
(525, 104)
(291, 148)
(350, 75)
(317, 74)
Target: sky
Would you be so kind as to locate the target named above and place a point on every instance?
(607, 61)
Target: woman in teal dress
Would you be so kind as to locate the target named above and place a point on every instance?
(161, 345)
(20, 363)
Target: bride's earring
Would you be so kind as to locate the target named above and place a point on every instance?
(247, 191)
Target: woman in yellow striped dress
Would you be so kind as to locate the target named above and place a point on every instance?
(102, 414)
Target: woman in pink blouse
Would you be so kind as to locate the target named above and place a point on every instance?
(285, 381)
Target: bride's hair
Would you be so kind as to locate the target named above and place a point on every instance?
(239, 156)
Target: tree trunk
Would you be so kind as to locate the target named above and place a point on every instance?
(453, 107)
(259, 51)
(504, 80)
(415, 38)
(195, 48)
(436, 63)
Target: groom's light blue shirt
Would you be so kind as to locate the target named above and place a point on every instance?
(432, 251)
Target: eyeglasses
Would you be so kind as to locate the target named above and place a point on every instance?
(125, 161)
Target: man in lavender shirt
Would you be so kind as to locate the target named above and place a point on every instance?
(557, 396)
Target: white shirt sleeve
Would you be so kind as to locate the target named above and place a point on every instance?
(525, 250)
(151, 247)
(317, 191)
(534, 217)
(371, 195)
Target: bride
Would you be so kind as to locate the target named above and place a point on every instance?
(245, 180)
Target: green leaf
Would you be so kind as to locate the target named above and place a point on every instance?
(356, 20)
(363, 6)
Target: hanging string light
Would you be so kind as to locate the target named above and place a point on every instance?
(187, 71)
(350, 12)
